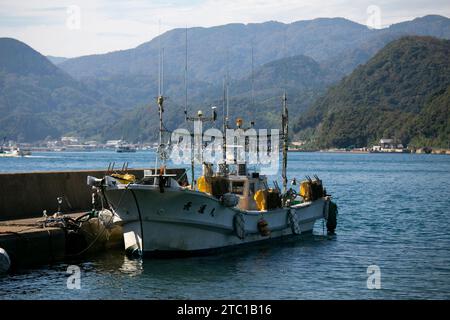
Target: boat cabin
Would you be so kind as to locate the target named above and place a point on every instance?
(245, 187)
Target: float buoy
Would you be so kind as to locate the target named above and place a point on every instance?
(133, 252)
(263, 228)
(239, 225)
(293, 221)
(332, 218)
(5, 262)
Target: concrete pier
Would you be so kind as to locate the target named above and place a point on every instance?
(28, 244)
(24, 196)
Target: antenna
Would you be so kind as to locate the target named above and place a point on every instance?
(159, 62)
(185, 75)
(285, 61)
(253, 81)
(162, 72)
(224, 98)
(226, 87)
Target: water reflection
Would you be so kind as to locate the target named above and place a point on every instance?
(132, 267)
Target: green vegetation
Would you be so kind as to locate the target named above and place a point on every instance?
(38, 100)
(402, 93)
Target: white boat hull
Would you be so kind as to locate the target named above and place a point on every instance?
(184, 221)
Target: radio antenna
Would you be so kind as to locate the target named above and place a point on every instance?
(253, 81)
(185, 75)
(226, 87)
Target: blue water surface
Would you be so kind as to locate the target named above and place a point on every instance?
(393, 213)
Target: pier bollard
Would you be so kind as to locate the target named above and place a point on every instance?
(5, 262)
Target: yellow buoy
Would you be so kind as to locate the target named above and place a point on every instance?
(124, 178)
(260, 198)
(204, 185)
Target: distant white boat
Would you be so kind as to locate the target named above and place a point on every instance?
(16, 152)
(125, 148)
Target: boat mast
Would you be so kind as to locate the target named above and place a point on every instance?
(186, 118)
(185, 75)
(226, 88)
(285, 132)
(253, 81)
(224, 122)
(285, 120)
(226, 99)
(160, 101)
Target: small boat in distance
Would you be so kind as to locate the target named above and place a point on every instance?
(14, 153)
(125, 147)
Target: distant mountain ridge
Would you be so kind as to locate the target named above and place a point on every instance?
(16, 57)
(113, 95)
(56, 60)
(210, 48)
(337, 44)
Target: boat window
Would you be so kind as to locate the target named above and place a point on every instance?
(148, 181)
(237, 187)
(155, 181)
(252, 188)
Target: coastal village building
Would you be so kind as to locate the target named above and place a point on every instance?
(69, 140)
(113, 143)
(389, 145)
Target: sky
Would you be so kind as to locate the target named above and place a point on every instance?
(81, 27)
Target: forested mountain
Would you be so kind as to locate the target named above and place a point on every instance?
(113, 95)
(339, 44)
(38, 100)
(402, 92)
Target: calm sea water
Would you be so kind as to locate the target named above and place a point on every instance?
(393, 213)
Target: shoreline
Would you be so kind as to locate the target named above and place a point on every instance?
(437, 151)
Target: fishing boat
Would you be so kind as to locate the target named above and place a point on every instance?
(161, 214)
(228, 206)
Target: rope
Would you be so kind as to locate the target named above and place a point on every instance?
(95, 240)
(110, 220)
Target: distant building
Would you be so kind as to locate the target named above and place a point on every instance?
(53, 143)
(298, 143)
(69, 140)
(389, 145)
(113, 143)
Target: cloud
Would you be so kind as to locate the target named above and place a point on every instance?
(107, 25)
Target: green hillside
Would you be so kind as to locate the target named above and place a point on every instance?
(398, 93)
(302, 77)
(38, 100)
(128, 76)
